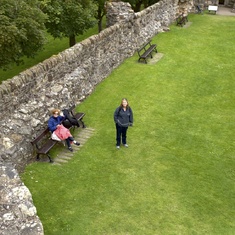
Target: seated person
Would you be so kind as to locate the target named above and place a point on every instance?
(54, 124)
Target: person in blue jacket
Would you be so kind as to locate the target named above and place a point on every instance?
(123, 118)
(54, 121)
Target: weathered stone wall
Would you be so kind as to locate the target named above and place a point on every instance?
(63, 79)
(18, 215)
(185, 6)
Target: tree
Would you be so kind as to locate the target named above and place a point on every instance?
(68, 18)
(101, 12)
(21, 31)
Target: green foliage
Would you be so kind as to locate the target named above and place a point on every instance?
(52, 47)
(21, 31)
(177, 176)
(101, 12)
(68, 18)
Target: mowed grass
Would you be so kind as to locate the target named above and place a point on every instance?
(177, 176)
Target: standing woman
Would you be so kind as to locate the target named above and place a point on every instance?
(123, 117)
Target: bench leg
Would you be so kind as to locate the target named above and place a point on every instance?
(38, 158)
(49, 158)
(83, 124)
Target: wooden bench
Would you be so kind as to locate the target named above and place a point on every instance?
(146, 51)
(48, 143)
(198, 10)
(181, 20)
(43, 141)
(213, 9)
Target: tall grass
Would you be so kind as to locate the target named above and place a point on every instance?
(177, 176)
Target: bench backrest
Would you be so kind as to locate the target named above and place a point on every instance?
(70, 109)
(40, 136)
(144, 46)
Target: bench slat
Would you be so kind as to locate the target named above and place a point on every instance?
(148, 51)
(40, 136)
(79, 115)
(47, 146)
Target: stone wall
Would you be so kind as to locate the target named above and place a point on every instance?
(185, 6)
(18, 215)
(63, 79)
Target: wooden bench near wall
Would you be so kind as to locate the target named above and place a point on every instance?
(146, 51)
(181, 20)
(43, 142)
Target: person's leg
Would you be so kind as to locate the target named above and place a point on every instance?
(124, 130)
(118, 135)
(68, 144)
(71, 139)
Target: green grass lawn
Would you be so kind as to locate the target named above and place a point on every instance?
(177, 176)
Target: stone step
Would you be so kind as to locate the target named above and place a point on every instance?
(56, 164)
(82, 136)
(59, 160)
(66, 157)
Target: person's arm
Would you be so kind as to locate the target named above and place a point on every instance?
(52, 125)
(116, 115)
(62, 118)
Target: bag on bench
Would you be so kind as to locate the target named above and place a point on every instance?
(55, 137)
(69, 120)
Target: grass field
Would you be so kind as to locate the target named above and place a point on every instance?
(177, 176)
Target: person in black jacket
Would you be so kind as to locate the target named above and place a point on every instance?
(123, 118)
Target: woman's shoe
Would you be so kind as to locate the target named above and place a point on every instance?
(76, 143)
(70, 149)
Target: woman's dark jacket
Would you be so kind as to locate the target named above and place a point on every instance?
(123, 118)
